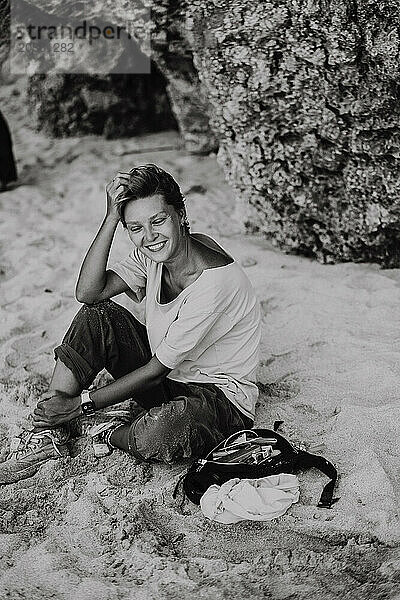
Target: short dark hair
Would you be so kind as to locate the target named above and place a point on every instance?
(148, 180)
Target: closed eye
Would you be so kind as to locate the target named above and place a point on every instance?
(159, 221)
(155, 223)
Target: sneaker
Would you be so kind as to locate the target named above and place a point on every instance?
(84, 423)
(101, 435)
(101, 432)
(30, 450)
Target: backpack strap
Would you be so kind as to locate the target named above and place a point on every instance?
(319, 462)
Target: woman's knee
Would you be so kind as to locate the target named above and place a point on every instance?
(88, 315)
(170, 433)
(83, 348)
(98, 310)
(163, 433)
(92, 320)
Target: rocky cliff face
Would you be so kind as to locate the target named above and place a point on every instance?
(306, 105)
(4, 29)
(303, 99)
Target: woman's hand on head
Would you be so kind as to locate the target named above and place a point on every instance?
(113, 190)
(55, 408)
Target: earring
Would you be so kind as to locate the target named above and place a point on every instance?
(185, 226)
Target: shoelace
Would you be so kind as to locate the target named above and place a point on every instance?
(104, 431)
(113, 415)
(34, 440)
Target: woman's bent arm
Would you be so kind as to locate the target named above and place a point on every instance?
(142, 379)
(94, 282)
(60, 408)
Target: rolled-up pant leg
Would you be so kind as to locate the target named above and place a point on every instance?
(106, 335)
(190, 425)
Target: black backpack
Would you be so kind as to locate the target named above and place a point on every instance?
(244, 455)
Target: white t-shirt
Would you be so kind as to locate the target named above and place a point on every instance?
(210, 333)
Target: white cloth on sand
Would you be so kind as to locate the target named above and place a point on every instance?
(261, 499)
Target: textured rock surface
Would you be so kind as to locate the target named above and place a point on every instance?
(172, 44)
(113, 105)
(4, 29)
(306, 105)
(304, 102)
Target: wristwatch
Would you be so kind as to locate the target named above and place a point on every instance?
(87, 405)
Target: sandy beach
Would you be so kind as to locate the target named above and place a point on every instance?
(109, 529)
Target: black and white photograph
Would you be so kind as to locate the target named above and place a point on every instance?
(199, 299)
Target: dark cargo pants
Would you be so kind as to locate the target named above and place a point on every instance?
(179, 420)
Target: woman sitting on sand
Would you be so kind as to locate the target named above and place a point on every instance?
(191, 369)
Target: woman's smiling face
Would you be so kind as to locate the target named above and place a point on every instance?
(154, 227)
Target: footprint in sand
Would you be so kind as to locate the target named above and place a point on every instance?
(6, 272)
(268, 305)
(45, 243)
(27, 348)
(55, 306)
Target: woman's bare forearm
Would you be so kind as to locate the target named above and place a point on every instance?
(92, 277)
(143, 378)
(92, 280)
(61, 408)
